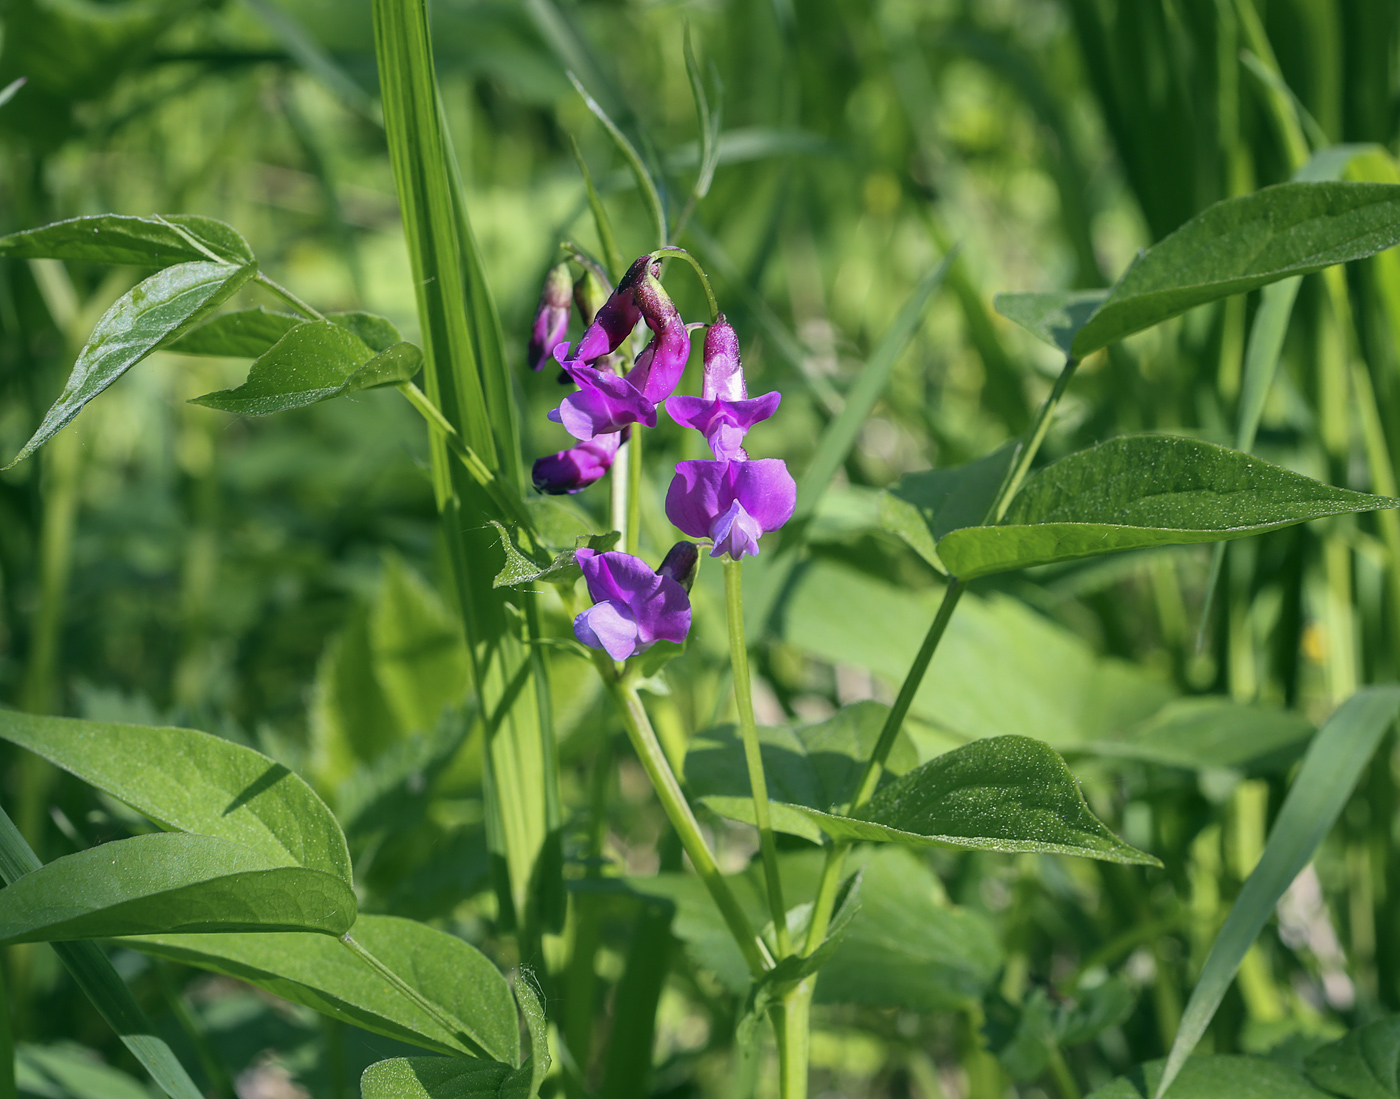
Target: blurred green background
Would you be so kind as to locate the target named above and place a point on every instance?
(278, 580)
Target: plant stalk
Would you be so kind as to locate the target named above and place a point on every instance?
(753, 754)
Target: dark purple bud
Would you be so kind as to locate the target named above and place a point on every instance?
(573, 470)
(660, 366)
(681, 564)
(731, 503)
(724, 372)
(633, 607)
(552, 316)
(614, 322)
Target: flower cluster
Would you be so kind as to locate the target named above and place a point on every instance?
(731, 500)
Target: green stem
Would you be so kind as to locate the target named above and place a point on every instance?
(633, 538)
(668, 790)
(825, 901)
(290, 298)
(1032, 447)
(676, 250)
(1064, 1079)
(753, 754)
(792, 1028)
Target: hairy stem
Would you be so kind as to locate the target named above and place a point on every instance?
(758, 783)
(681, 253)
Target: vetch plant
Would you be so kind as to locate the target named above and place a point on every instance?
(249, 873)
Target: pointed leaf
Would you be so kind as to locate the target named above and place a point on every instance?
(1139, 491)
(312, 362)
(1364, 1064)
(1055, 316)
(138, 241)
(325, 975)
(1008, 793)
(143, 319)
(1329, 772)
(922, 507)
(166, 881)
(193, 782)
(438, 1078)
(242, 334)
(522, 570)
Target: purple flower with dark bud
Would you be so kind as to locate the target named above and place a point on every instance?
(618, 316)
(604, 402)
(733, 503)
(661, 364)
(633, 607)
(723, 413)
(552, 316)
(573, 470)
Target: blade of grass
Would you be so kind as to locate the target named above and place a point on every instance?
(1329, 772)
(612, 255)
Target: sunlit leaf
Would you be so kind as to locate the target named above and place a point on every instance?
(437, 1078)
(1139, 491)
(922, 507)
(139, 241)
(1055, 316)
(167, 881)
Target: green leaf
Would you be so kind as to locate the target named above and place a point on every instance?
(243, 334)
(438, 1078)
(1139, 491)
(1055, 316)
(314, 361)
(1007, 794)
(166, 881)
(1243, 243)
(1329, 772)
(69, 1071)
(193, 782)
(532, 1073)
(1208, 732)
(146, 317)
(815, 765)
(322, 974)
(138, 241)
(1364, 1064)
(922, 507)
(1024, 1037)
(1215, 1077)
(522, 570)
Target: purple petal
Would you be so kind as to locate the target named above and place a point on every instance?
(736, 533)
(699, 493)
(660, 366)
(724, 372)
(617, 576)
(665, 616)
(618, 316)
(604, 403)
(766, 490)
(610, 627)
(575, 469)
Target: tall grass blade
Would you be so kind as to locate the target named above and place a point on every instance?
(655, 207)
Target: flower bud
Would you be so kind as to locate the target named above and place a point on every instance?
(589, 295)
(573, 470)
(681, 564)
(724, 372)
(615, 320)
(551, 317)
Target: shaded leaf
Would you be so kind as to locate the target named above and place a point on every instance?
(321, 973)
(314, 361)
(1364, 1064)
(438, 1078)
(170, 882)
(1329, 772)
(1140, 491)
(1025, 1036)
(70, 1071)
(1005, 794)
(922, 507)
(1209, 732)
(193, 782)
(1215, 1077)
(1055, 316)
(137, 241)
(244, 333)
(146, 317)
(816, 766)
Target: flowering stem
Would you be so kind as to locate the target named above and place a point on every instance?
(632, 540)
(758, 783)
(668, 790)
(621, 484)
(676, 250)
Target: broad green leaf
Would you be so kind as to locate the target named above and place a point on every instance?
(315, 361)
(1364, 1064)
(523, 569)
(439, 1078)
(1006, 794)
(1055, 316)
(138, 241)
(1209, 732)
(146, 317)
(189, 781)
(813, 765)
(166, 881)
(242, 334)
(1329, 772)
(1140, 491)
(323, 974)
(70, 1071)
(1215, 1077)
(922, 507)
(1243, 243)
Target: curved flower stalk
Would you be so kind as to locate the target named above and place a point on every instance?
(634, 607)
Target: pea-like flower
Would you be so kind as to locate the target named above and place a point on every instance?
(723, 413)
(733, 503)
(618, 316)
(633, 607)
(573, 470)
(551, 317)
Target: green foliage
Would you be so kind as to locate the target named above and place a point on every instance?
(157, 241)
(1364, 1064)
(1209, 1077)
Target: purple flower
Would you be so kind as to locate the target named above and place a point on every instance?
(723, 413)
(618, 316)
(633, 607)
(552, 316)
(604, 402)
(573, 470)
(733, 503)
(660, 366)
